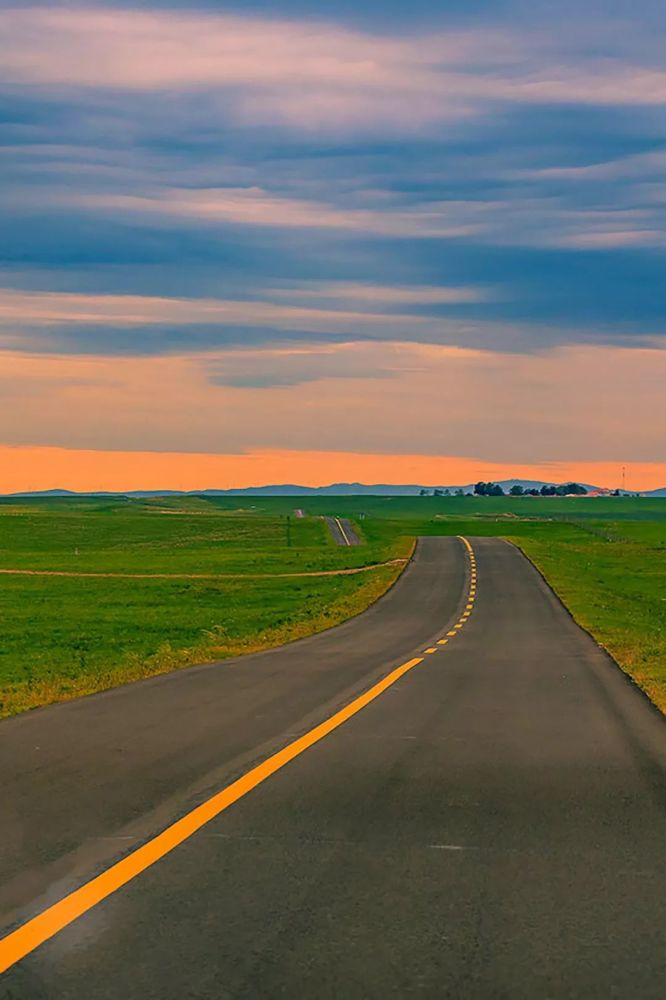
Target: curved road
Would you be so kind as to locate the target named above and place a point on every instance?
(491, 825)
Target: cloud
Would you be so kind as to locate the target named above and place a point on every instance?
(311, 74)
(303, 227)
(46, 309)
(295, 366)
(257, 207)
(387, 294)
(572, 403)
(543, 222)
(142, 325)
(638, 165)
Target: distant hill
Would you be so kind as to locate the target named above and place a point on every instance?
(293, 490)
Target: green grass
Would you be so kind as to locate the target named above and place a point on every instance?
(67, 636)
(64, 636)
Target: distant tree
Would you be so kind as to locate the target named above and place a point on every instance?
(459, 493)
(547, 491)
(447, 493)
(532, 492)
(438, 493)
(616, 493)
(567, 488)
(517, 490)
(423, 493)
(488, 490)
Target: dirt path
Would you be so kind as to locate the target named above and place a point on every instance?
(202, 576)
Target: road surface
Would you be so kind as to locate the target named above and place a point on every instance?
(491, 825)
(342, 530)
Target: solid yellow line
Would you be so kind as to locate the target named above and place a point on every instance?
(342, 531)
(49, 922)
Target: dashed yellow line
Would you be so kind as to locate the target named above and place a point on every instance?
(45, 925)
(471, 595)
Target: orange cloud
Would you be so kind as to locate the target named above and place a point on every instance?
(37, 468)
(583, 405)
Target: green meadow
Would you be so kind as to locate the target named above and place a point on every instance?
(178, 581)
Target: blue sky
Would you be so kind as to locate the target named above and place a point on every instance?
(224, 183)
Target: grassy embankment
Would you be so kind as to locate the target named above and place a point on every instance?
(66, 636)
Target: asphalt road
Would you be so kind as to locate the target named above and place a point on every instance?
(492, 825)
(342, 530)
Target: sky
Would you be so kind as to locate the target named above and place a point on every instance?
(306, 242)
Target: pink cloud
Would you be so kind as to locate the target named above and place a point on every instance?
(309, 74)
(254, 206)
(45, 309)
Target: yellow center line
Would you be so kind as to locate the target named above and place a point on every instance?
(43, 926)
(342, 530)
(49, 922)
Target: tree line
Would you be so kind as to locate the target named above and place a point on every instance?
(495, 490)
(482, 489)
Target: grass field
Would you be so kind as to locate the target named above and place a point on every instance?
(64, 636)
(189, 580)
